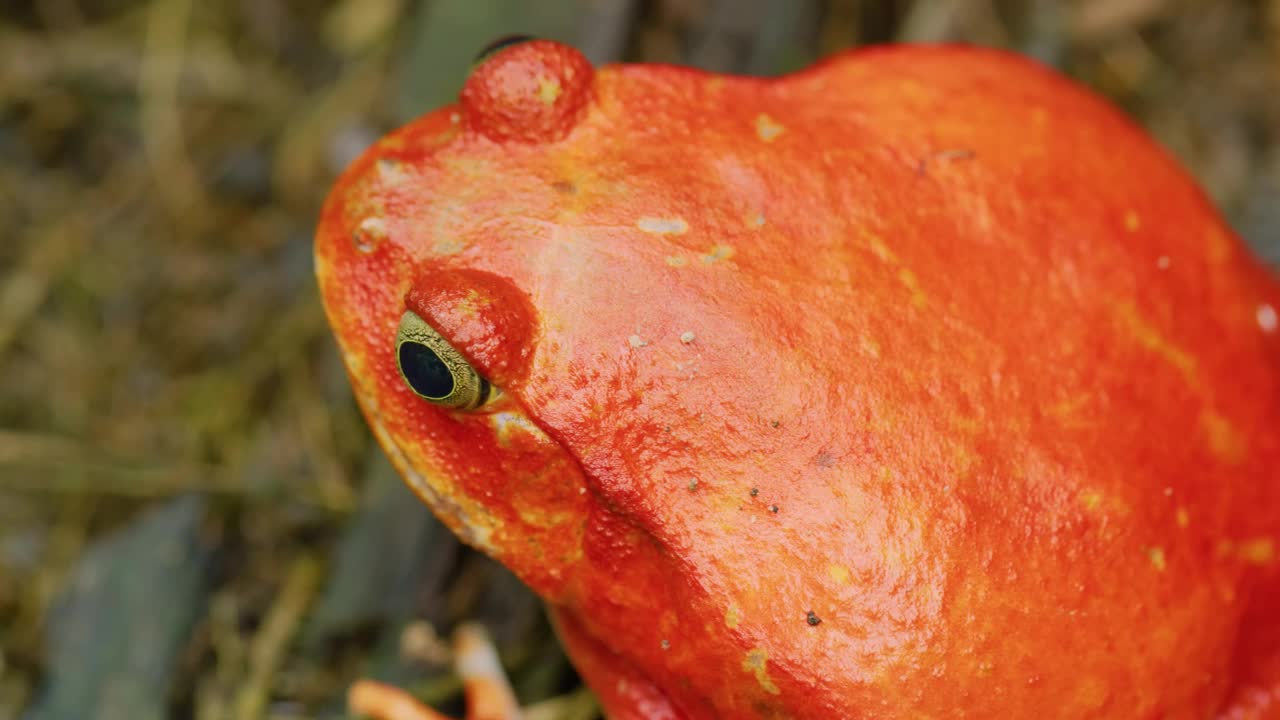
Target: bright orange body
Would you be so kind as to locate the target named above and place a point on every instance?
(917, 384)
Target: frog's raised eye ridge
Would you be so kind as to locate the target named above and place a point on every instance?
(434, 370)
(530, 91)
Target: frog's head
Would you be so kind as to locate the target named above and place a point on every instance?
(425, 257)
(537, 330)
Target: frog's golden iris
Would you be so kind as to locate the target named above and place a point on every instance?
(434, 370)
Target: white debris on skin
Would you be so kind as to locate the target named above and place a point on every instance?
(1267, 319)
(663, 226)
(369, 234)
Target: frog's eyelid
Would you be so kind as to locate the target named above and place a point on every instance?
(429, 355)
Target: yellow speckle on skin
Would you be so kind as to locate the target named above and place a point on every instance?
(1157, 558)
(756, 662)
(391, 171)
(754, 220)
(687, 337)
(447, 246)
(717, 253)
(1182, 517)
(677, 260)
(881, 250)
(839, 573)
(1071, 411)
(1090, 499)
(1132, 221)
(548, 90)
(909, 281)
(732, 616)
(1258, 551)
(471, 305)
(663, 226)
(905, 275)
(869, 347)
(1224, 440)
(768, 128)
(1150, 338)
(636, 341)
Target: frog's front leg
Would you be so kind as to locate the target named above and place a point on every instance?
(489, 695)
(1256, 695)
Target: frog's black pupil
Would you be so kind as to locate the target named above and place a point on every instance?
(500, 43)
(425, 371)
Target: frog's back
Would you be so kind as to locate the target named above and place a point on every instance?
(1018, 399)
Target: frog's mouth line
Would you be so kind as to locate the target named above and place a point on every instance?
(454, 515)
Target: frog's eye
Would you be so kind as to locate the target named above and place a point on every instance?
(434, 370)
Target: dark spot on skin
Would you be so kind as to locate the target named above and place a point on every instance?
(824, 459)
(774, 423)
(755, 492)
(812, 618)
(773, 508)
(693, 485)
(564, 187)
(666, 644)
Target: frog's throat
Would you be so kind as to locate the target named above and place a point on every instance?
(456, 517)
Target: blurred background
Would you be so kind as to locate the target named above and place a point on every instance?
(194, 522)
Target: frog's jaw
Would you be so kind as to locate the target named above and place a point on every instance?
(506, 488)
(466, 525)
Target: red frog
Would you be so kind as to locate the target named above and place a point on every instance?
(917, 384)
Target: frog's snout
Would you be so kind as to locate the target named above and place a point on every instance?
(531, 91)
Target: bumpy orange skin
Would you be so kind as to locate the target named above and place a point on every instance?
(920, 383)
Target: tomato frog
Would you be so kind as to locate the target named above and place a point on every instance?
(917, 384)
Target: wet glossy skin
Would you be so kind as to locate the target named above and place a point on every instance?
(917, 384)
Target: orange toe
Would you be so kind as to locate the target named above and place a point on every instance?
(369, 698)
(489, 695)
